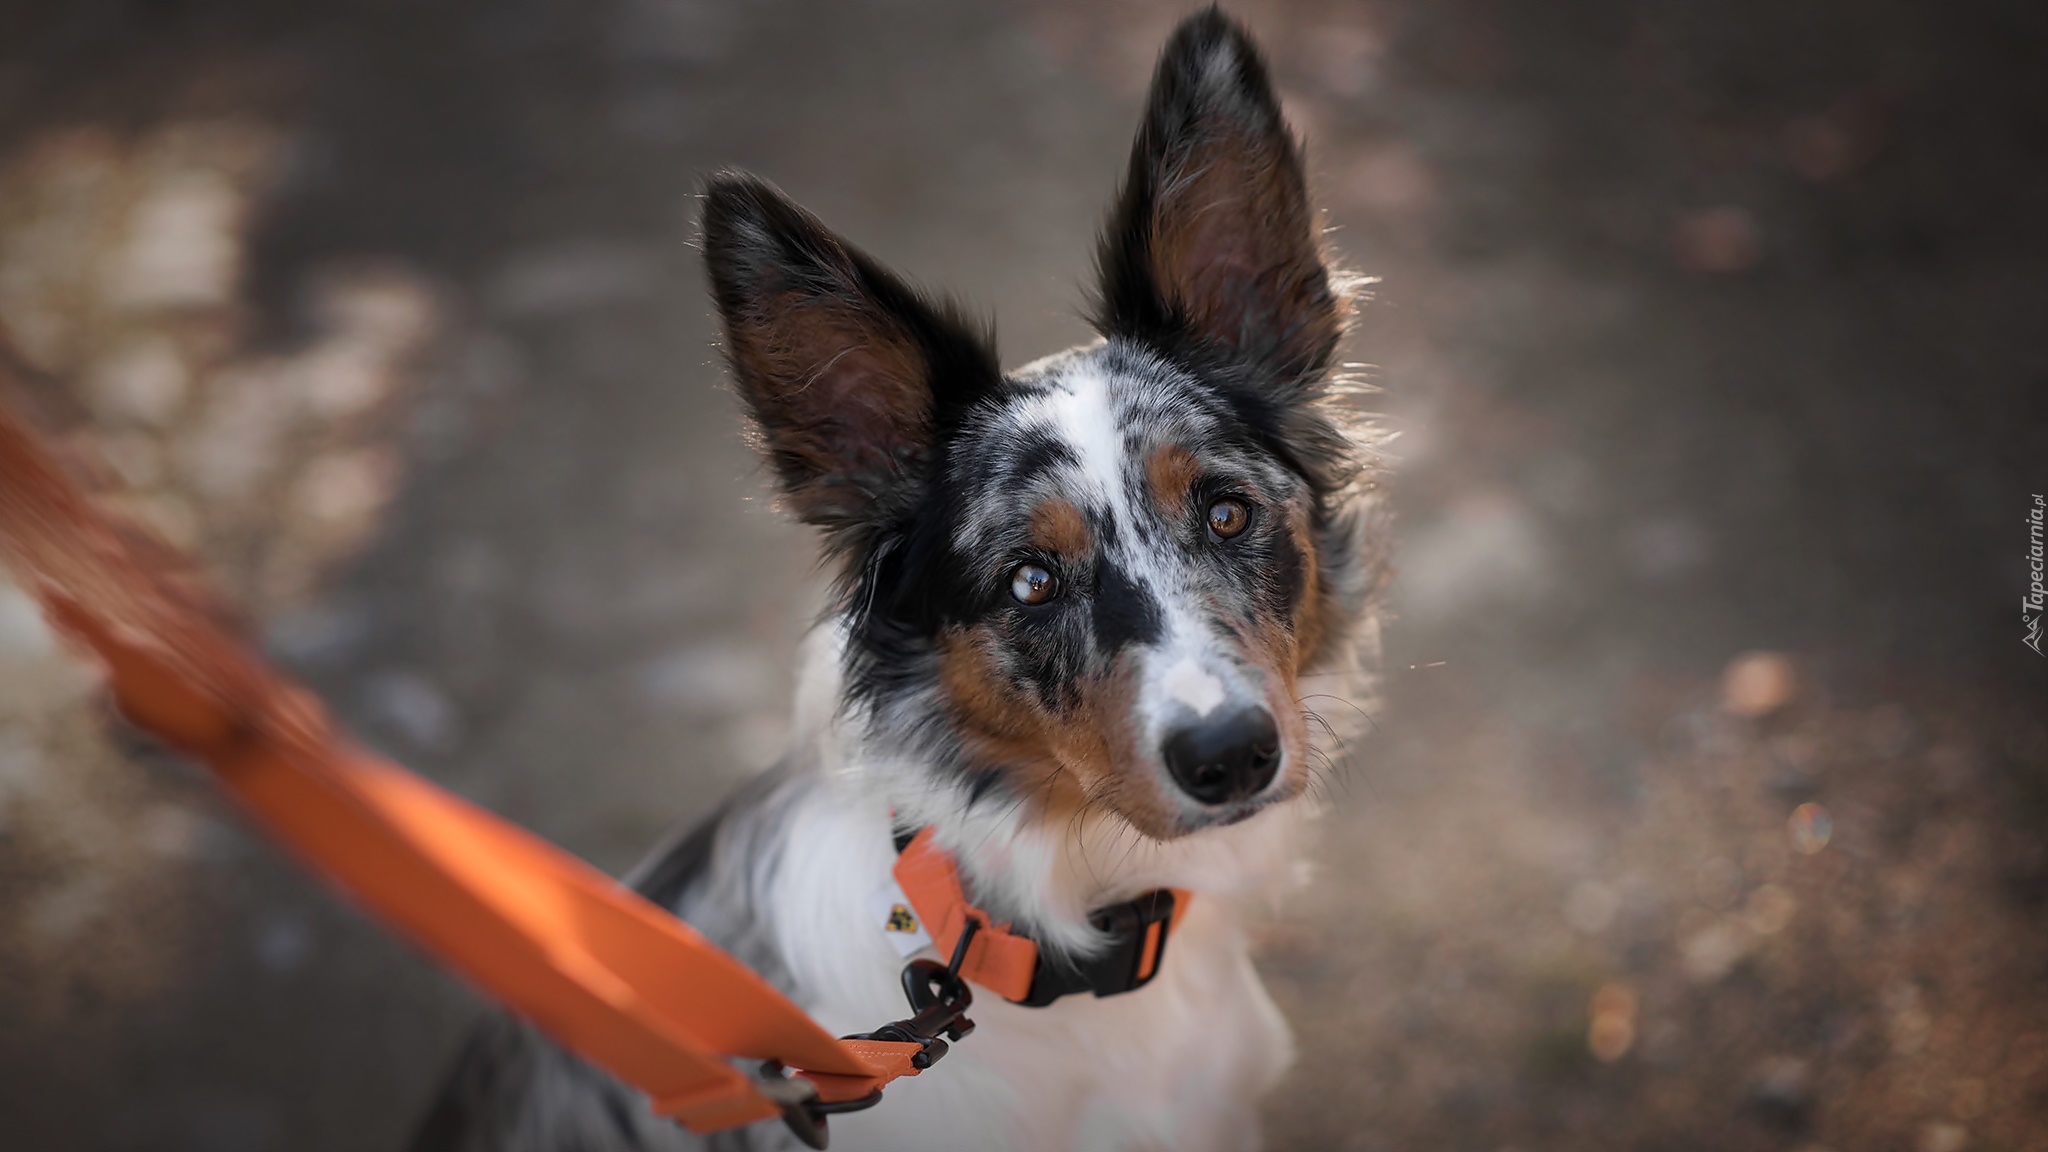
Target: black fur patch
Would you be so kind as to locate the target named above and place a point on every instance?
(1124, 612)
(1212, 257)
(850, 375)
(1213, 144)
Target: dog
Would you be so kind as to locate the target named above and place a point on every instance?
(1077, 606)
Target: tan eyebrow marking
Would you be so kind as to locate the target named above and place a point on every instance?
(1058, 526)
(1172, 471)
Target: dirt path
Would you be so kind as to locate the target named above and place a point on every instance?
(1706, 329)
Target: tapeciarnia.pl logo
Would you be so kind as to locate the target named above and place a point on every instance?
(2036, 599)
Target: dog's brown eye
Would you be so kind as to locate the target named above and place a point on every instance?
(1228, 517)
(1032, 584)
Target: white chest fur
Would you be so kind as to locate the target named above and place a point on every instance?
(1178, 1064)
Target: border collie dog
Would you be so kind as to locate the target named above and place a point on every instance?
(1078, 606)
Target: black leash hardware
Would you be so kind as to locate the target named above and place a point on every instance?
(801, 1109)
(939, 1000)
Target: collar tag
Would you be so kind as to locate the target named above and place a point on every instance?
(891, 911)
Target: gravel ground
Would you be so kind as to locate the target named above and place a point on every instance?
(1705, 808)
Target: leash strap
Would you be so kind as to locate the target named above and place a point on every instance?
(1007, 962)
(616, 979)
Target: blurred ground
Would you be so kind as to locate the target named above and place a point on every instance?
(1708, 330)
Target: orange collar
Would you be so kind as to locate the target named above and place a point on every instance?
(1007, 962)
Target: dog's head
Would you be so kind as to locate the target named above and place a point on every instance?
(1095, 581)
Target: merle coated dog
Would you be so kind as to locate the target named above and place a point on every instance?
(1078, 601)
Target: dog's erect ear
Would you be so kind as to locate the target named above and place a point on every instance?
(848, 372)
(1212, 248)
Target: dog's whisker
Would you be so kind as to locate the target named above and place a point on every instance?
(1348, 704)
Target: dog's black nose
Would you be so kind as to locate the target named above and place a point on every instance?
(1225, 757)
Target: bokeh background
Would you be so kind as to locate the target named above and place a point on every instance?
(1707, 803)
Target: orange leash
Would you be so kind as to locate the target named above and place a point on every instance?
(616, 979)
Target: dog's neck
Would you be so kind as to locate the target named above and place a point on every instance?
(1042, 872)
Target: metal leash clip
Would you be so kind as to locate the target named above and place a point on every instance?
(939, 999)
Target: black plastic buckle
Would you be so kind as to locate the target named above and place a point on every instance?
(1116, 970)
